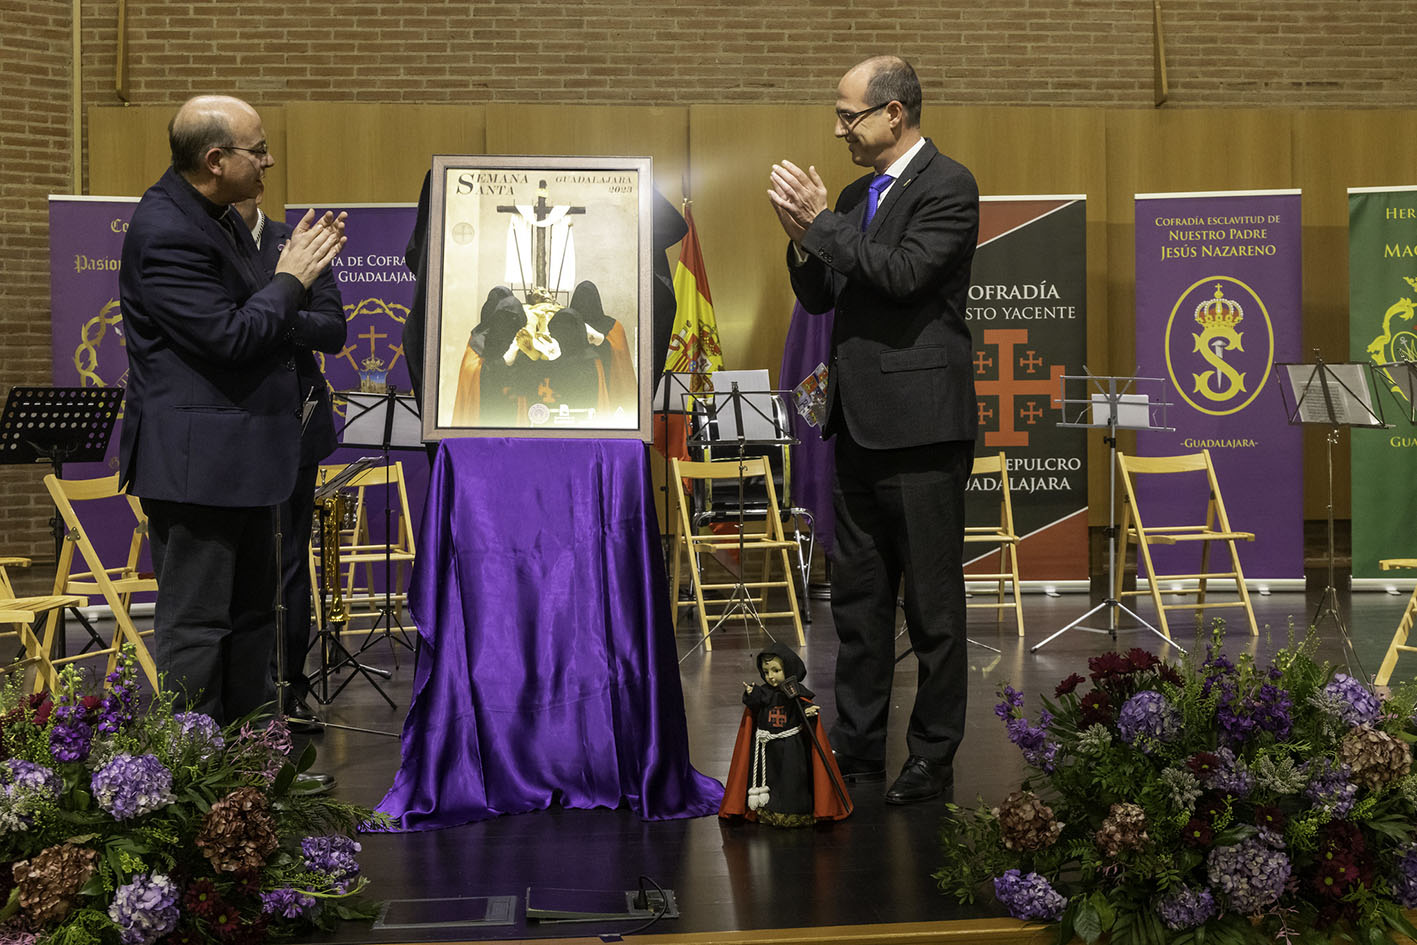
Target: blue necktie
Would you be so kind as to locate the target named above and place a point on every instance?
(881, 182)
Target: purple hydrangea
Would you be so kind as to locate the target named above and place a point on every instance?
(333, 856)
(145, 910)
(1248, 876)
(71, 737)
(131, 785)
(1356, 703)
(1038, 750)
(1329, 786)
(18, 775)
(1404, 882)
(1148, 716)
(1029, 897)
(200, 728)
(1186, 908)
(287, 902)
(1231, 775)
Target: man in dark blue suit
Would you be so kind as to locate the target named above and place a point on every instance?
(211, 432)
(322, 327)
(893, 258)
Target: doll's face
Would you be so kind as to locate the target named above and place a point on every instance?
(773, 673)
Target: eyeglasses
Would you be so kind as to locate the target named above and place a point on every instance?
(261, 150)
(849, 119)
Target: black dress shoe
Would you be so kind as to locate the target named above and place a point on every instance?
(859, 770)
(920, 780)
(299, 717)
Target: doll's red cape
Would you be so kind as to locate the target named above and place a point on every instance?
(826, 805)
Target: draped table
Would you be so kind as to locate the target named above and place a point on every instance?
(548, 672)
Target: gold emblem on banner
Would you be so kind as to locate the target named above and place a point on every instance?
(1223, 384)
(1397, 342)
(87, 360)
(375, 343)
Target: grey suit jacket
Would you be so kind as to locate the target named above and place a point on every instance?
(901, 372)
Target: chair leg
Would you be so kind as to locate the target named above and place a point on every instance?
(1018, 587)
(1242, 588)
(1399, 639)
(790, 581)
(696, 576)
(676, 544)
(1144, 558)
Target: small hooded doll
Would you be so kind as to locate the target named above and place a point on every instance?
(777, 776)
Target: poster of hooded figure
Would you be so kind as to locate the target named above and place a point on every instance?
(539, 297)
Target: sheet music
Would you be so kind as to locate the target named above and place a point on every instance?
(1336, 394)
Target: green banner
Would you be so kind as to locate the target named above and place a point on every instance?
(1382, 286)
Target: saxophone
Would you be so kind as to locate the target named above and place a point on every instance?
(331, 518)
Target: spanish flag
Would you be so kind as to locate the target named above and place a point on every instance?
(693, 348)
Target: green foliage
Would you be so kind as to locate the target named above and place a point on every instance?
(1231, 763)
(154, 833)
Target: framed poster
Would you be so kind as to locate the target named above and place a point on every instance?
(539, 297)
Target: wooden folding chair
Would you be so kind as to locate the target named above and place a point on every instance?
(1215, 529)
(20, 614)
(1004, 536)
(115, 584)
(1404, 626)
(700, 549)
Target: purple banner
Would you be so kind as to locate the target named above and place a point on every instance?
(377, 291)
(86, 325)
(1218, 304)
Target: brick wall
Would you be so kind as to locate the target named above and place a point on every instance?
(1284, 53)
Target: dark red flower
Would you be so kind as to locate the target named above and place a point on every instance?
(1095, 708)
(1069, 684)
(1197, 833)
(1203, 765)
(226, 923)
(1109, 666)
(41, 705)
(1211, 806)
(90, 705)
(202, 899)
(1141, 659)
(1270, 818)
(1168, 673)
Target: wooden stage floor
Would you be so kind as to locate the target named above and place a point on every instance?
(864, 880)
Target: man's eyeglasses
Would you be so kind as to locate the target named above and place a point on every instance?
(260, 150)
(849, 119)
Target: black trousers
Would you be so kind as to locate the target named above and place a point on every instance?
(214, 620)
(899, 513)
(296, 518)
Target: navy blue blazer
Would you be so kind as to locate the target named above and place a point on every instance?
(213, 399)
(320, 327)
(902, 373)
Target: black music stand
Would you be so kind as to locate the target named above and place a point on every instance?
(59, 425)
(1401, 379)
(334, 655)
(724, 411)
(384, 421)
(1334, 395)
(1112, 404)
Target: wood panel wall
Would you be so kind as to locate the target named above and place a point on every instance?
(719, 156)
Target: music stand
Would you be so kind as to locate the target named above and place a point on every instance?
(1336, 395)
(724, 412)
(1111, 405)
(1402, 384)
(383, 421)
(59, 425)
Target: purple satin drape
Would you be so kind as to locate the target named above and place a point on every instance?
(549, 672)
(813, 459)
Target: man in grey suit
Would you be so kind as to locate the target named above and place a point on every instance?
(893, 258)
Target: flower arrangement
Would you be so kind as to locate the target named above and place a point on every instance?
(127, 825)
(1224, 802)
